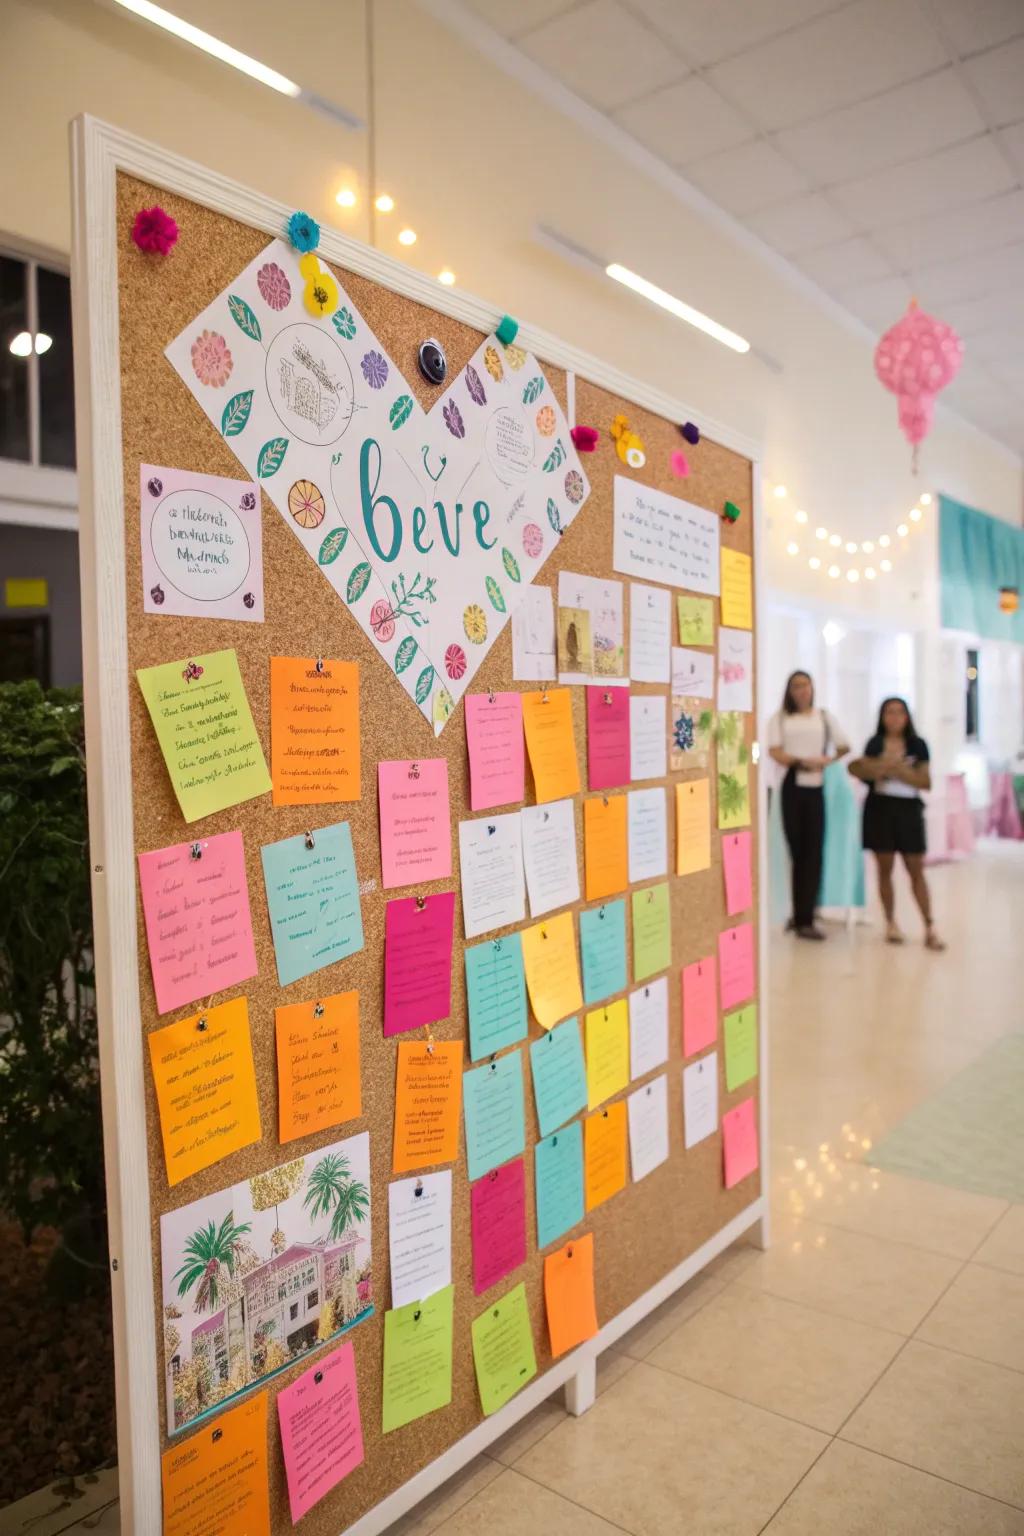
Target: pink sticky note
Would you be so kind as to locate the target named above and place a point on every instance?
(700, 1006)
(202, 549)
(736, 965)
(607, 737)
(498, 1212)
(739, 1142)
(494, 736)
(736, 862)
(415, 822)
(418, 961)
(197, 918)
(321, 1433)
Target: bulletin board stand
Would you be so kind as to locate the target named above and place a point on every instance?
(100, 155)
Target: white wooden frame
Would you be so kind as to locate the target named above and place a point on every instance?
(98, 152)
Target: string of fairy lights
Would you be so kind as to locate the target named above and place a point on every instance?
(821, 546)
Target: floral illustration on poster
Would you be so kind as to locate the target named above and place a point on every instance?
(733, 762)
(693, 723)
(259, 1274)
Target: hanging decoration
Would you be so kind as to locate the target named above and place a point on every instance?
(916, 358)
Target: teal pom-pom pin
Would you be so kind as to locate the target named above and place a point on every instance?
(303, 232)
(731, 512)
(507, 330)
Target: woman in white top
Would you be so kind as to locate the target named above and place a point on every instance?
(804, 740)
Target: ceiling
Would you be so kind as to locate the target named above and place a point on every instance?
(877, 145)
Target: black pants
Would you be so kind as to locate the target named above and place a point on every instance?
(803, 821)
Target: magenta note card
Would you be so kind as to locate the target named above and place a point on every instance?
(494, 736)
(418, 961)
(736, 965)
(607, 737)
(498, 1212)
(415, 822)
(700, 1006)
(321, 1432)
(736, 862)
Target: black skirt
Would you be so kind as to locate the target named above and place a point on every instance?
(893, 824)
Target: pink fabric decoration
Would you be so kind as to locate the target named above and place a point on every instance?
(680, 464)
(584, 439)
(154, 231)
(916, 358)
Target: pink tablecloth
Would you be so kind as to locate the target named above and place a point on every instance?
(1003, 812)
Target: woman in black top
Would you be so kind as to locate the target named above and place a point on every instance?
(895, 769)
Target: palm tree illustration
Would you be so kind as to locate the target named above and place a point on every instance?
(331, 1187)
(207, 1252)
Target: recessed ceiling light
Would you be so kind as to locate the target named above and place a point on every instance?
(676, 307)
(21, 345)
(853, 575)
(821, 533)
(916, 515)
(384, 203)
(407, 237)
(212, 45)
(346, 198)
(446, 276)
(833, 571)
(801, 517)
(814, 563)
(43, 342)
(780, 492)
(868, 547)
(851, 548)
(869, 572)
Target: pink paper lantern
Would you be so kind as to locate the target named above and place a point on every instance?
(916, 358)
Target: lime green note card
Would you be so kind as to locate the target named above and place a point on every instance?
(503, 1349)
(418, 1359)
(740, 1046)
(696, 621)
(206, 733)
(652, 932)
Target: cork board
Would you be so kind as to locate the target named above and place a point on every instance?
(649, 1228)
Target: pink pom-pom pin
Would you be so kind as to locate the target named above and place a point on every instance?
(584, 439)
(154, 231)
(680, 464)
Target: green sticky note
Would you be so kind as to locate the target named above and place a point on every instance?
(740, 1046)
(603, 945)
(652, 932)
(417, 1359)
(206, 733)
(503, 1349)
(496, 994)
(696, 621)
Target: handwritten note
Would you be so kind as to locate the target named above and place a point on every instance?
(417, 1359)
(558, 1183)
(491, 867)
(737, 604)
(736, 865)
(648, 1127)
(693, 724)
(549, 856)
(569, 1294)
(607, 737)
(607, 1031)
(420, 1236)
(205, 1088)
(318, 1081)
(313, 900)
(559, 1075)
(604, 1140)
(648, 1027)
(314, 730)
(603, 942)
(205, 729)
(662, 538)
(418, 961)
(648, 834)
(217, 1485)
(605, 845)
(740, 1030)
(652, 932)
(503, 1352)
(415, 822)
(195, 897)
(735, 670)
(494, 737)
(533, 636)
(428, 1098)
(700, 1099)
(739, 1143)
(736, 964)
(497, 1204)
(696, 618)
(648, 755)
(552, 969)
(202, 553)
(693, 826)
(495, 1123)
(496, 995)
(547, 721)
(321, 1433)
(693, 672)
(700, 1006)
(650, 615)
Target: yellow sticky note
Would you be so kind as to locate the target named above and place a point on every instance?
(26, 592)
(206, 733)
(547, 721)
(693, 826)
(552, 969)
(205, 1087)
(607, 1034)
(605, 845)
(737, 602)
(604, 1140)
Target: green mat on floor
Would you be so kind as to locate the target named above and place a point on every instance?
(971, 1134)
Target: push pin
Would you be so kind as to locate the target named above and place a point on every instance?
(309, 839)
(319, 666)
(318, 1010)
(318, 1376)
(507, 330)
(196, 851)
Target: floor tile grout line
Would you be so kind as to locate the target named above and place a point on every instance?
(843, 1317)
(538, 1483)
(897, 1242)
(804, 1474)
(965, 1354)
(927, 1472)
(734, 1397)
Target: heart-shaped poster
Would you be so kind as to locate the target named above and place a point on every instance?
(428, 526)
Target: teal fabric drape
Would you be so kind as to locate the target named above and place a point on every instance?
(842, 869)
(979, 554)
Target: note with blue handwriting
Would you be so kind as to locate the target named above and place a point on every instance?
(496, 993)
(313, 900)
(603, 943)
(559, 1075)
(492, 1097)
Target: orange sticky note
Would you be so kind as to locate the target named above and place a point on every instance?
(314, 730)
(693, 826)
(215, 1482)
(604, 1142)
(547, 720)
(318, 1064)
(552, 969)
(605, 845)
(428, 1101)
(569, 1294)
(205, 1087)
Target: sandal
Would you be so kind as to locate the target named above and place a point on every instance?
(932, 940)
(893, 935)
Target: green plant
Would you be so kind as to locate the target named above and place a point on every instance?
(51, 1149)
(209, 1250)
(330, 1185)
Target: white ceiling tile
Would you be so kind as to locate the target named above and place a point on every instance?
(911, 120)
(748, 177)
(998, 76)
(514, 20)
(972, 25)
(800, 224)
(840, 266)
(970, 276)
(879, 304)
(964, 173)
(923, 242)
(708, 30)
(1001, 346)
(1012, 140)
(685, 122)
(970, 316)
(603, 57)
(840, 58)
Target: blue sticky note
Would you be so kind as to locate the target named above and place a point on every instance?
(492, 1097)
(559, 1075)
(603, 942)
(313, 900)
(558, 1173)
(496, 989)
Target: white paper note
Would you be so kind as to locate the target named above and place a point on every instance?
(648, 1027)
(549, 854)
(648, 1127)
(693, 672)
(533, 637)
(700, 1099)
(648, 837)
(491, 862)
(601, 600)
(661, 538)
(420, 1234)
(735, 669)
(648, 741)
(649, 633)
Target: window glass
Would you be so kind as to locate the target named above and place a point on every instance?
(14, 380)
(56, 372)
